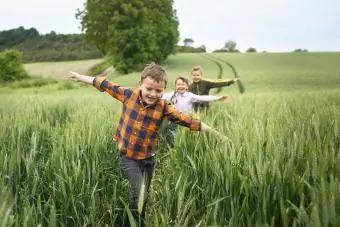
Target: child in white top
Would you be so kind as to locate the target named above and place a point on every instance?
(184, 100)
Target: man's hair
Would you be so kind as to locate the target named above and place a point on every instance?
(185, 80)
(197, 68)
(155, 72)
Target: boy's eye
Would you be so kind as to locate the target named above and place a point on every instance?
(148, 89)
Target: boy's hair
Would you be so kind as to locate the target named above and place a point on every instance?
(197, 68)
(185, 80)
(155, 72)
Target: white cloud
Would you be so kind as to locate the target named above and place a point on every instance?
(272, 25)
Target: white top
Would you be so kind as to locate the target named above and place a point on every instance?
(183, 102)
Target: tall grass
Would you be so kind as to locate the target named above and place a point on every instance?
(59, 166)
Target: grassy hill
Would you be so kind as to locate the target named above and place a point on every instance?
(264, 72)
(59, 165)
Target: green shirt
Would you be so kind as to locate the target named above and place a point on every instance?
(203, 87)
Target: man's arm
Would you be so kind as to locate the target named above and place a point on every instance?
(220, 82)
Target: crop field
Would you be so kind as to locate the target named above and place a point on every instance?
(60, 167)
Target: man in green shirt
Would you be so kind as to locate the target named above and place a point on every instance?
(202, 86)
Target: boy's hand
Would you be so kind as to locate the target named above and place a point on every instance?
(74, 76)
(82, 78)
(223, 97)
(205, 127)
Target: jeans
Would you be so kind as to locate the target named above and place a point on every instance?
(139, 174)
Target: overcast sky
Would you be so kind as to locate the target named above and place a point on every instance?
(271, 25)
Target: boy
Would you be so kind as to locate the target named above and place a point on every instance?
(137, 134)
(202, 87)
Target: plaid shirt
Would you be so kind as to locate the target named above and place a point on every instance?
(137, 133)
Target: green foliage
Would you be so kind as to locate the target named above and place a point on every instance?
(11, 68)
(13, 37)
(190, 49)
(33, 82)
(66, 85)
(132, 33)
(49, 47)
(99, 67)
(60, 167)
(229, 46)
(188, 42)
(300, 50)
(251, 50)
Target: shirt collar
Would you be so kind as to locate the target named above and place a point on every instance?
(185, 94)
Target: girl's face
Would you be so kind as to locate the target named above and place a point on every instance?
(181, 86)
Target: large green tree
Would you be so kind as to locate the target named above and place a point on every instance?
(131, 32)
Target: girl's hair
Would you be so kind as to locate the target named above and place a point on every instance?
(185, 80)
(155, 72)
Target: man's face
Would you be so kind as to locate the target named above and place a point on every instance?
(181, 86)
(196, 76)
(151, 90)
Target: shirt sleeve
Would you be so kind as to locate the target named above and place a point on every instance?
(219, 83)
(167, 96)
(111, 88)
(182, 119)
(202, 98)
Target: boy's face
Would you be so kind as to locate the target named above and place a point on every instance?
(196, 76)
(151, 90)
(181, 86)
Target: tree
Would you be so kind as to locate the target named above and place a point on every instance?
(300, 50)
(251, 50)
(230, 46)
(203, 48)
(11, 67)
(131, 32)
(188, 42)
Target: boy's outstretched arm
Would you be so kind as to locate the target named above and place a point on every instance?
(184, 119)
(220, 82)
(207, 98)
(102, 84)
(81, 78)
(205, 127)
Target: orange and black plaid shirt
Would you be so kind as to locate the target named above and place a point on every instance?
(137, 133)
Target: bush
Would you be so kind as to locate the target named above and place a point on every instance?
(66, 85)
(99, 67)
(251, 50)
(33, 82)
(11, 68)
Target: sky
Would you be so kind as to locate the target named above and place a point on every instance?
(267, 25)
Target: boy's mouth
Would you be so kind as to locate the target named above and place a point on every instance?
(150, 100)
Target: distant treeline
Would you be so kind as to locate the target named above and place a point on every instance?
(57, 47)
(48, 47)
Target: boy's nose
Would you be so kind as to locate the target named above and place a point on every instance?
(153, 93)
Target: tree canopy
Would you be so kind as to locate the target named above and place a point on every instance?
(131, 32)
